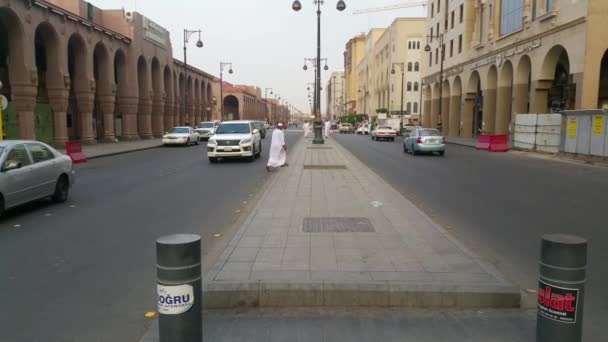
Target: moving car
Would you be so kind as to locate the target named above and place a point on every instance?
(363, 129)
(181, 136)
(384, 133)
(261, 126)
(422, 140)
(31, 170)
(235, 139)
(346, 128)
(206, 129)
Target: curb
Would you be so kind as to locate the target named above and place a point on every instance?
(110, 154)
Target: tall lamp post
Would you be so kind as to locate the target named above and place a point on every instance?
(427, 48)
(199, 44)
(402, 66)
(230, 71)
(266, 98)
(296, 6)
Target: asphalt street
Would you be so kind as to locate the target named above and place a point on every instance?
(85, 270)
(500, 204)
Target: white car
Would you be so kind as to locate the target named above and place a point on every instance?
(30, 170)
(363, 129)
(235, 139)
(181, 136)
(206, 129)
(384, 133)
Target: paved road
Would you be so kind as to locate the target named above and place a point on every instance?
(84, 270)
(501, 204)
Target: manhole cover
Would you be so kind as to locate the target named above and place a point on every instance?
(324, 167)
(319, 148)
(337, 225)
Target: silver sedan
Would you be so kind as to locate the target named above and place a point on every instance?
(32, 170)
(424, 140)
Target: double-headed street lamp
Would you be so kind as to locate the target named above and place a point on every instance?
(199, 44)
(296, 6)
(230, 71)
(402, 66)
(427, 48)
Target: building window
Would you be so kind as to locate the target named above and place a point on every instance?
(409, 45)
(549, 5)
(415, 86)
(431, 58)
(416, 66)
(415, 107)
(437, 29)
(510, 15)
(408, 108)
(431, 35)
(480, 21)
(418, 45)
(409, 66)
(436, 55)
(461, 13)
(451, 47)
(438, 6)
(452, 19)
(392, 88)
(460, 44)
(432, 10)
(409, 86)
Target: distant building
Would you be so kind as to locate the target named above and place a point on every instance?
(335, 96)
(355, 49)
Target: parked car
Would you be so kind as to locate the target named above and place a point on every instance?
(333, 126)
(363, 129)
(407, 130)
(346, 128)
(383, 133)
(239, 139)
(32, 170)
(424, 140)
(181, 136)
(206, 129)
(260, 125)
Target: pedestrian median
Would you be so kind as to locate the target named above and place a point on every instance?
(328, 231)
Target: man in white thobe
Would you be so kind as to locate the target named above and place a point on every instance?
(278, 149)
(327, 128)
(306, 129)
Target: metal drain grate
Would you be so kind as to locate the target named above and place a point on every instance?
(337, 225)
(324, 167)
(319, 148)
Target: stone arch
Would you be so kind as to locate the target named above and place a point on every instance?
(103, 105)
(555, 70)
(472, 115)
(489, 100)
(120, 82)
(504, 99)
(169, 116)
(189, 119)
(231, 108)
(455, 106)
(80, 107)
(49, 127)
(416, 66)
(445, 107)
(144, 109)
(12, 51)
(210, 103)
(522, 85)
(181, 116)
(157, 100)
(602, 98)
(196, 99)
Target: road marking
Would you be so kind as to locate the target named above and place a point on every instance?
(150, 314)
(72, 206)
(237, 211)
(217, 235)
(377, 204)
(244, 202)
(17, 226)
(48, 214)
(531, 290)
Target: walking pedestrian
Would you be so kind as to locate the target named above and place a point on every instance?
(327, 128)
(278, 149)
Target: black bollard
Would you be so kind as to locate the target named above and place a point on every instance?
(563, 264)
(179, 281)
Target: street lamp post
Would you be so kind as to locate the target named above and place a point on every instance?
(266, 98)
(199, 44)
(402, 66)
(427, 48)
(230, 71)
(318, 139)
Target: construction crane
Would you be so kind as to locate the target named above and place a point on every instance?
(392, 7)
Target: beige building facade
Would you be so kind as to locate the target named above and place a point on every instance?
(366, 73)
(335, 96)
(353, 54)
(506, 57)
(71, 71)
(242, 102)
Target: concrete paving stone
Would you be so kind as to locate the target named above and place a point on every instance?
(346, 252)
(275, 240)
(251, 241)
(341, 276)
(402, 276)
(296, 255)
(345, 241)
(244, 254)
(321, 241)
(281, 275)
(459, 277)
(298, 241)
(266, 266)
(225, 275)
(401, 265)
(435, 265)
(369, 242)
(323, 259)
(291, 295)
(270, 254)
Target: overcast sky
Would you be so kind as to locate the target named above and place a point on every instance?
(265, 40)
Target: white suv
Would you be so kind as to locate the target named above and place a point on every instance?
(235, 139)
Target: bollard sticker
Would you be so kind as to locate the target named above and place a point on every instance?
(557, 303)
(174, 300)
